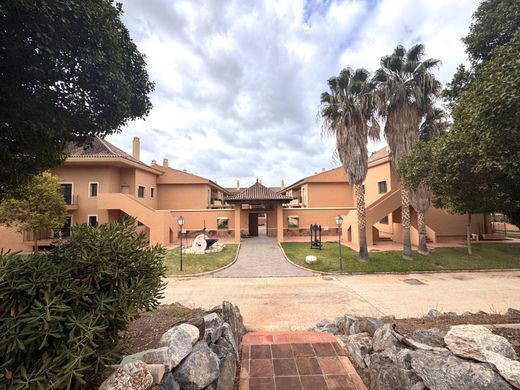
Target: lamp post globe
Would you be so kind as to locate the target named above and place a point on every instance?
(180, 221)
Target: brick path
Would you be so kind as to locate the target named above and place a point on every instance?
(261, 257)
(296, 361)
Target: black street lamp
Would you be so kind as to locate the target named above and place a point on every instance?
(180, 221)
(339, 222)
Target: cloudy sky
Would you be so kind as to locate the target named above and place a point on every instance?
(238, 82)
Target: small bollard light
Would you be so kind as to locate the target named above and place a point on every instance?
(339, 222)
(180, 221)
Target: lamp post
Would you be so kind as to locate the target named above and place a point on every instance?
(180, 221)
(339, 222)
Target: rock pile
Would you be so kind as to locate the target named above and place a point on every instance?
(189, 357)
(465, 357)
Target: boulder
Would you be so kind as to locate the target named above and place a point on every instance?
(352, 325)
(311, 259)
(222, 348)
(132, 376)
(158, 356)
(227, 334)
(339, 322)
(212, 327)
(168, 383)
(358, 346)
(199, 369)
(322, 323)
(406, 375)
(384, 374)
(383, 338)
(331, 328)
(513, 312)
(434, 313)
(157, 371)
(370, 325)
(443, 370)
(470, 341)
(231, 315)
(228, 371)
(179, 341)
(432, 337)
(507, 368)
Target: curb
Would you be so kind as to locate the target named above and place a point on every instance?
(316, 273)
(207, 272)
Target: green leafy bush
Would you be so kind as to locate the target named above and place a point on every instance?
(62, 312)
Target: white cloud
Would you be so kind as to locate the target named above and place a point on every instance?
(238, 82)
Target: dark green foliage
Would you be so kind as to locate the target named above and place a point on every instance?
(69, 71)
(62, 312)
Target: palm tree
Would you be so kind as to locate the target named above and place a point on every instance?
(347, 114)
(406, 89)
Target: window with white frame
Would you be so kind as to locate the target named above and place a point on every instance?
(293, 221)
(222, 223)
(93, 188)
(140, 192)
(92, 220)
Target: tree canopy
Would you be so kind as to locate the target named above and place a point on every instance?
(69, 71)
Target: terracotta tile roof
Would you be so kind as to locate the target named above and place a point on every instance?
(381, 153)
(257, 192)
(99, 148)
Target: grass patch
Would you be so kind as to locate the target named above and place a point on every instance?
(485, 256)
(192, 264)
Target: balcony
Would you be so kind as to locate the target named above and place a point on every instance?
(72, 202)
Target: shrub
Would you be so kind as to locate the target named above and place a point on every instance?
(62, 312)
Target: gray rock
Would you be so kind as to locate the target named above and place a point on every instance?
(507, 368)
(358, 346)
(199, 369)
(157, 371)
(384, 374)
(222, 348)
(228, 371)
(383, 338)
(227, 334)
(418, 386)
(339, 322)
(158, 356)
(513, 312)
(434, 313)
(322, 323)
(179, 342)
(467, 313)
(406, 375)
(443, 371)
(231, 315)
(331, 328)
(370, 325)
(132, 376)
(168, 383)
(212, 327)
(450, 314)
(351, 325)
(432, 337)
(470, 341)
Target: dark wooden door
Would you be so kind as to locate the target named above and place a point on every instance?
(253, 225)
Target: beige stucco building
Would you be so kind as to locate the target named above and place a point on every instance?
(103, 183)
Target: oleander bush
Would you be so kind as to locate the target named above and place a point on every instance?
(63, 311)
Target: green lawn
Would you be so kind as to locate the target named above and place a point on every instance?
(192, 264)
(485, 256)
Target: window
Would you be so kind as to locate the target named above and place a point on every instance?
(140, 192)
(152, 192)
(66, 189)
(293, 222)
(381, 186)
(93, 189)
(384, 220)
(223, 223)
(92, 220)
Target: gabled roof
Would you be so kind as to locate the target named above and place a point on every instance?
(176, 176)
(257, 193)
(101, 149)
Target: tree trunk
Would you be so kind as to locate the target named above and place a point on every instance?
(35, 238)
(362, 221)
(421, 226)
(468, 234)
(405, 220)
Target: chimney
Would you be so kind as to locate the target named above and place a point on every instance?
(282, 184)
(154, 162)
(165, 162)
(238, 184)
(136, 148)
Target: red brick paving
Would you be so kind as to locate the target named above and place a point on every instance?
(295, 361)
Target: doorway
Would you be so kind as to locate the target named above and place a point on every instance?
(257, 224)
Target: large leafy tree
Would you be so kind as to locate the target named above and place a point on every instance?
(407, 88)
(347, 111)
(40, 206)
(68, 71)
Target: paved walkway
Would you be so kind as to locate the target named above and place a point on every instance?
(260, 257)
(296, 361)
(298, 303)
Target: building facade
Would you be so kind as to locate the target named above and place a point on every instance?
(103, 183)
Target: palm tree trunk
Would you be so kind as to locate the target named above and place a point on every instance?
(468, 234)
(405, 219)
(421, 226)
(362, 221)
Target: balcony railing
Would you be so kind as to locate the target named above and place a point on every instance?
(72, 201)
